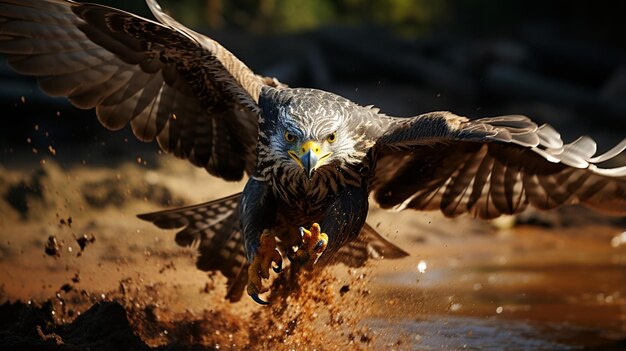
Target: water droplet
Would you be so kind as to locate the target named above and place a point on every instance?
(421, 266)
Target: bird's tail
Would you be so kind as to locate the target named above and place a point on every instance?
(212, 227)
(369, 244)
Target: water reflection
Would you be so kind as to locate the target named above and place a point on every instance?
(527, 289)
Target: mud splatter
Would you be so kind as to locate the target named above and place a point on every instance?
(53, 247)
(83, 241)
(137, 289)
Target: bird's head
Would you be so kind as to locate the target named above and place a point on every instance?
(311, 129)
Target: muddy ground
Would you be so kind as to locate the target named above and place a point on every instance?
(79, 270)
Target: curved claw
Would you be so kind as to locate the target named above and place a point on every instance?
(319, 245)
(278, 259)
(259, 268)
(258, 300)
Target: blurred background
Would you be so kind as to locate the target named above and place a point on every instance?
(561, 62)
(550, 280)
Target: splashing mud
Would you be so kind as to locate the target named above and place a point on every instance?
(306, 315)
(557, 286)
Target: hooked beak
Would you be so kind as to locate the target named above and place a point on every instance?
(308, 156)
(309, 161)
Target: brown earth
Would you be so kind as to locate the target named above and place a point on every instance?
(79, 270)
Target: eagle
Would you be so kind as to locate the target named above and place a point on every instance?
(312, 159)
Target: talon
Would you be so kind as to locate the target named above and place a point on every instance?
(258, 300)
(259, 269)
(319, 245)
(314, 243)
(278, 259)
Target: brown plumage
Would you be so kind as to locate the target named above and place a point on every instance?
(177, 87)
(529, 165)
(199, 102)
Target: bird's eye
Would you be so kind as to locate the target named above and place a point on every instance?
(332, 138)
(290, 138)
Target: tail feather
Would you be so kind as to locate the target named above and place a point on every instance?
(195, 219)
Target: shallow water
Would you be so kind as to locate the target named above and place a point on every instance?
(449, 332)
(527, 288)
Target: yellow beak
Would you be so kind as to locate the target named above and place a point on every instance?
(308, 156)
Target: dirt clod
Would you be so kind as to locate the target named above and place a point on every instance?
(66, 287)
(65, 222)
(53, 247)
(84, 240)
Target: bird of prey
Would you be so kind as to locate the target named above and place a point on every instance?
(312, 158)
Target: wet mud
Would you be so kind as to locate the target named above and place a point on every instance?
(79, 270)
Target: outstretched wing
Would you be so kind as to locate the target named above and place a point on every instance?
(492, 166)
(171, 84)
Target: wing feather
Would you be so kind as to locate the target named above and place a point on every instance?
(212, 227)
(492, 166)
(139, 72)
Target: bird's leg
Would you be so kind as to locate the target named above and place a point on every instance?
(260, 267)
(314, 243)
(257, 211)
(343, 219)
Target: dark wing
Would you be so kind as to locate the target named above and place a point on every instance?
(369, 244)
(171, 84)
(212, 227)
(492, 166)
